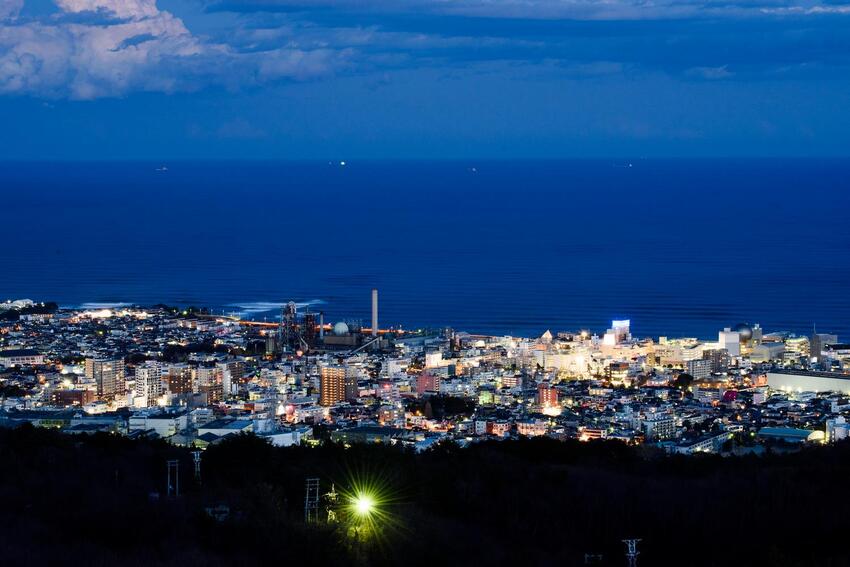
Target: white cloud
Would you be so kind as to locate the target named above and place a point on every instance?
(9, 9)
(135, 9)
(808, 10)
(106, 48)
(559, 9)
(709, 73)
(86, 61)
(142, 48)
(298, 64)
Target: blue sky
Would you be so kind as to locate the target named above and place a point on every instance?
(347, 79)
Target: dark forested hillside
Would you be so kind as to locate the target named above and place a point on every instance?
(102, 500)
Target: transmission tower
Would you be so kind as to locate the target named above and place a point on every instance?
(173, 479)
(196, 458)
(311, 501)
(631, 551)
(331, 500)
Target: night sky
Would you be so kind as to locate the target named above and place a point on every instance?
(347, 79)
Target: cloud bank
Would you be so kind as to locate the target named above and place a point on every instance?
(549, 9)
(105, 48)
(88, 49)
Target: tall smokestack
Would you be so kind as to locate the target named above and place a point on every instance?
(374, 312)
(321, 324)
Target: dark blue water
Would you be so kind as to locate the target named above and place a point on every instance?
(680, 247)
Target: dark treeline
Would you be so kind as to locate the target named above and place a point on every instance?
(92, 500)
(442, 406)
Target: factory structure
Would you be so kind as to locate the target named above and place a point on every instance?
(797, 381)
(301, 332)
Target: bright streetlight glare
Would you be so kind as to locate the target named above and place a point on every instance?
(364, 504)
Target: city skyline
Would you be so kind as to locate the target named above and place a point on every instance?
(370, 283)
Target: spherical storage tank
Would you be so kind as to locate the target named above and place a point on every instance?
(340, 329)
(745, 331)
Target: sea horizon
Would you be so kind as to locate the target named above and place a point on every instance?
(682, 247)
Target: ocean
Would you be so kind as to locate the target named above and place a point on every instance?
(679, 247)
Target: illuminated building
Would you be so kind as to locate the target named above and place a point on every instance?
(64, 398)
(802, 381)
(178, 379)
(163, 424)
(720, 359)
(700, 368)
(837, 429)
(705, 444)
(148, 384)
(434, 359)
(232, 373)
(796, 348)
(499, 428)
(351, 390)
(532, 428)
(837, 355)
(210, 382)
(510, 381)
(765, 352)
(20, 357)
(730, 340)
(658, 426)
(618, 333)
(819, 342)
(547, 396)
(428, 382)
(588, 433)
(108, 374)
(792, 435)
(331, 385)
(388, 415)
(617, 372)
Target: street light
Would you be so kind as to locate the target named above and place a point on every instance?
(364, 504)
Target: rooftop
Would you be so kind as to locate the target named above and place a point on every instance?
(811, 373)
(19, 352)
(234, 424)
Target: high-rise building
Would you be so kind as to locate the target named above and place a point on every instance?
(331, 385)
(178, 379)
(618, 333)
(758, 335)
(374, 312)
(271, 344)
(720, 359)
(148, 384)
(617, 372)
(308, 328)
(658, 426)
(547, 396)
(352, 392)
(796, 348)
(210, 382)
(428, 383)
(108, 374)
(75, 397)
(700, 368)
(819, 341)
(232, 374)
(730, 340)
